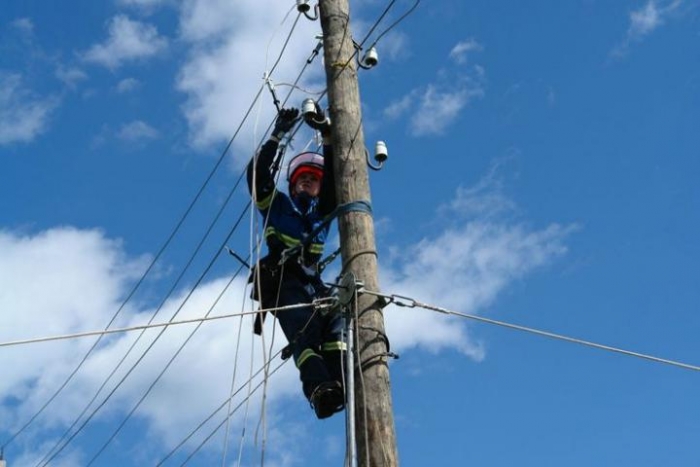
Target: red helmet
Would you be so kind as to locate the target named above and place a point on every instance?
(306, 162)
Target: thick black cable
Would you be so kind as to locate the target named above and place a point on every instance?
(218, 409)
(152, 318)
(395, 23)
(160, 375)
(379, 20)
(225, 241)
(199, 280)
(286, 43)
(313, 315)
(225, 151)
(143, 277)
(218, 427)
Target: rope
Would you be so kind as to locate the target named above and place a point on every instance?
(408, 302)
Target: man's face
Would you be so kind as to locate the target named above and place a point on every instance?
(308, 183)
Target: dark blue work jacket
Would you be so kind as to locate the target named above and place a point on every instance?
(289, 220)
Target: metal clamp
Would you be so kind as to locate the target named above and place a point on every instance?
(349, 285)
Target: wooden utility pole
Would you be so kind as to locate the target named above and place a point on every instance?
(375, 434)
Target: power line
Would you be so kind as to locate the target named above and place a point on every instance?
(153, 316)
(138, 361)
(187, 212)
(407, 302)
(247, 114)
(157, 325)
(222, 405)
(143, 277)
(395, 23)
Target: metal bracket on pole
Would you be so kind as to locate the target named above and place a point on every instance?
(346, 293)
(347, 288)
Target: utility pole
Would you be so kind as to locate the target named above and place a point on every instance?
(375, 434)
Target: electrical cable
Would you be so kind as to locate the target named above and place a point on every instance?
(267, 363)
(233, 382)
(376, 23)
(218, 163)
(160, 375)
(216, 429)
(139, 282)
(157, 325)
(199, 280)
(408, 302)
(213, 414)
(153, 316)
(395, 23)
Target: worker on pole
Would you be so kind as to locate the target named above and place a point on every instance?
(294, 221)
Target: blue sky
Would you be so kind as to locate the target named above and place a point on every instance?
(543, 171)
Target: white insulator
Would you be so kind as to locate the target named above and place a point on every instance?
(308, 108)
(371, 58)
(381, 153)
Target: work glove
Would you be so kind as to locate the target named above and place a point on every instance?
(319, 122)
(286, 118)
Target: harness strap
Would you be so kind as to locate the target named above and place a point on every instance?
(352, 206)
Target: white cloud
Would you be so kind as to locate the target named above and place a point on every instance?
(460, 51)
(465, 268)
(225, 67)
(401, 106)
(23, 116)
(438, 108)
(137, 131)
(67, 280)
(127, 85)
(70, 76)
(25, 26)
(128, 40)
(435, 106)
(646, 20)
(395, 46)
(143, 3)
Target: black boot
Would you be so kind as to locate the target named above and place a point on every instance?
(327, 399)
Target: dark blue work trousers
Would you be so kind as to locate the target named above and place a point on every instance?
(316, 338)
